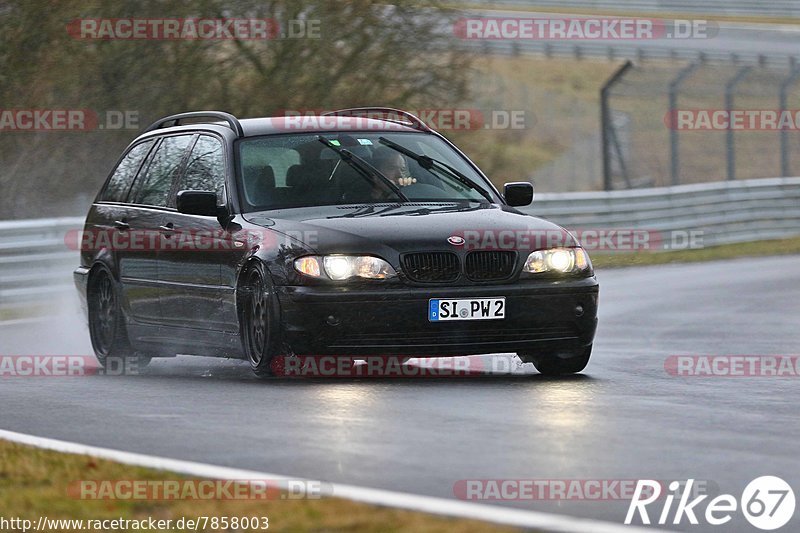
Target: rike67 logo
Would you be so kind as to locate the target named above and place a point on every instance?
(767, 502)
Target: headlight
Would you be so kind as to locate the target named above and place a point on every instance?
(560, 260)
(308, 266)
(341, 267)
(338, 267)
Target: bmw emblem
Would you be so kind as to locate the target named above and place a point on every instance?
(455, 240)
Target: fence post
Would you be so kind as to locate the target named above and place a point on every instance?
(730, 153)
(783, 104)
(674, 85)
(605, 122)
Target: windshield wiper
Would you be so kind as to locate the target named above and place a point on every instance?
(363, 168)
(429, 163)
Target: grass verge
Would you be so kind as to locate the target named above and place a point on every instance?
(35, 482)
(712, 253)
(19, 312)
(558, 99)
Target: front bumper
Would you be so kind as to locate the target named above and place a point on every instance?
(540, 315)
(81, 278)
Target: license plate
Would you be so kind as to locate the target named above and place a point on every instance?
(440, 309)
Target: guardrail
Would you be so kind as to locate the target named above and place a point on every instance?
(35, 262)
(725, 212)
(599, 49)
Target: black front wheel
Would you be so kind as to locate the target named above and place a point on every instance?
(559, 364)
(258, 335)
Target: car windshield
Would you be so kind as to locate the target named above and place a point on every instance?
(298, 170)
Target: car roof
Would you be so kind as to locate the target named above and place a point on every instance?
(253, 127)
(318, 123)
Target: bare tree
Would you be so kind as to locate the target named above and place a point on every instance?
(329, 54)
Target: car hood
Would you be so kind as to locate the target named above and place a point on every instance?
(381, 228)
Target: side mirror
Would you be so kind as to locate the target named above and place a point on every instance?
(518, 193)
(203, 203)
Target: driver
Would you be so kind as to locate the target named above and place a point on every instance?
(393, 165)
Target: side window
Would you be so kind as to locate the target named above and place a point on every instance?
(205, 170)
(120, 182)
(157, 180)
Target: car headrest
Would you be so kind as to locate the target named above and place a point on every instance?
(261, 183)
(294, 175)
(310, 175)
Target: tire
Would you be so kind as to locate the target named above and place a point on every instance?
(107, 325)
(558, 364)
(258, 319)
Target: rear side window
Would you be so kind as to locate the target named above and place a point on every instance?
(154, 186)
(120, 182)
(205, 170)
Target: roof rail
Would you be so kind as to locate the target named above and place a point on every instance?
(411, 119)
(174, 120)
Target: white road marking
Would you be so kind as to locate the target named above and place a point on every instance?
(426, 504)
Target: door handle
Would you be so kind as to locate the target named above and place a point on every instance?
(122, 225)
(168, 228)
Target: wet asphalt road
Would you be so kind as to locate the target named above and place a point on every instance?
(625, 418)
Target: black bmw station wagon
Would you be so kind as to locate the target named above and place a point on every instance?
(343, 234)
